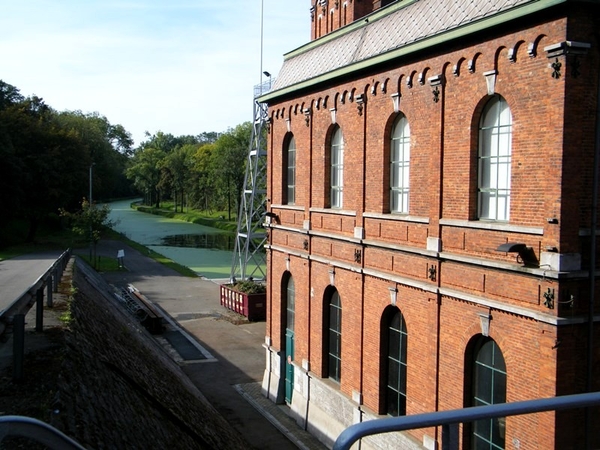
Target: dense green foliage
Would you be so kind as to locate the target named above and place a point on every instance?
(46, 158)
(205, 172)
(50, 158)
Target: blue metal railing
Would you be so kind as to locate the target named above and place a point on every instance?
(38, 431)
(264, 87)
(447, 418)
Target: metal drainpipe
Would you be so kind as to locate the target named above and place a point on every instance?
(592, 274)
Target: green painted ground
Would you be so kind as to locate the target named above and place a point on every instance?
(149, 230)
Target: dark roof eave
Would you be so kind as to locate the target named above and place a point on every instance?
(414, 47)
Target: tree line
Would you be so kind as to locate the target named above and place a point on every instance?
(205, 172)
(49, 158)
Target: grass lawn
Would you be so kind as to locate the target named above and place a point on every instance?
(214, 219)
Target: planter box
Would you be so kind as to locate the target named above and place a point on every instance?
(252, 306)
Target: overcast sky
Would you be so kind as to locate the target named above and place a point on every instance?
(177, 66)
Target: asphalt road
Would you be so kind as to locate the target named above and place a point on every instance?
(18, 274)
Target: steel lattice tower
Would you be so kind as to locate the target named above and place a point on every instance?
(248, 254)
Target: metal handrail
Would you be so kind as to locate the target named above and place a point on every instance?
(264, 87)
(24, 302)
(446, 418)
(12, 319)
(37, 431)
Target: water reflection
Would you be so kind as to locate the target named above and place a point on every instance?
(219, 241)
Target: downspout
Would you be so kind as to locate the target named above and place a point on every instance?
(308, 238)
(592, 271)
(270, 230)
(442, 95)
(309, 264)
(268, 342)
(365, 110)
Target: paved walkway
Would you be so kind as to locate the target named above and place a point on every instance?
(227, 358)
(231, 370)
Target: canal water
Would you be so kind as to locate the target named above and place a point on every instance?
(207, 251)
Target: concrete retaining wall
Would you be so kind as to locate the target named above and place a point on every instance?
(119, 389)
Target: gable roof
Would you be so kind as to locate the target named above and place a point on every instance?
(401, 28)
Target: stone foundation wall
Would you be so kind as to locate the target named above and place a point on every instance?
(119, 389)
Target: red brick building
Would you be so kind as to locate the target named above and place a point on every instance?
(430, 175)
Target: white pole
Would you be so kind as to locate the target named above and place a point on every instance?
(262, 9)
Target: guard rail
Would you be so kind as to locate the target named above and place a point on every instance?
(447, 419)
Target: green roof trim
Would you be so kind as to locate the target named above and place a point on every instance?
(360, 23)
(440, 38)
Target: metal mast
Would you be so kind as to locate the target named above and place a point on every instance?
(248, 255)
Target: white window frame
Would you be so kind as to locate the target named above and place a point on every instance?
(494, 161)
(290, 175)
(400, 166)
(337, 169)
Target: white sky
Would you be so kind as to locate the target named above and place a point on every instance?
(177, 66)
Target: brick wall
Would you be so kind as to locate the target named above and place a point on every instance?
(443, 293)
(330, 15)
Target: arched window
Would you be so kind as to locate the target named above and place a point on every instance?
(399, 165)
(331, 20)
(495, 150)
(289, 174)
(333, 336)
(393, 342)
(489, 388)
(290, 304)
(337, 169)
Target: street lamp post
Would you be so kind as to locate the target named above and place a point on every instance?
(91, 173)
(90, 215)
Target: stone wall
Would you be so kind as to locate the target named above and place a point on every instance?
(119, 389)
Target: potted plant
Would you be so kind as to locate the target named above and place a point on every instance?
(247, 298)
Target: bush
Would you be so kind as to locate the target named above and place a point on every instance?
(249, 287)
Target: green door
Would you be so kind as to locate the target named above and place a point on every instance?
(289, 367)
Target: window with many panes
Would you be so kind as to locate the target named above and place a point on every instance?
(337, 169)
(394, 370)
(489, 388)
(289, 183)
(399, 165)
(333, 322)
(495, 152)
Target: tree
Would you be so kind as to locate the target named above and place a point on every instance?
(200, 178)
(46, 159)
(47, 156)
(229, 164)
(11, 169)
(90, 221)
(176, 169)
(145, 172)
(107, 147)
(9, 95)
